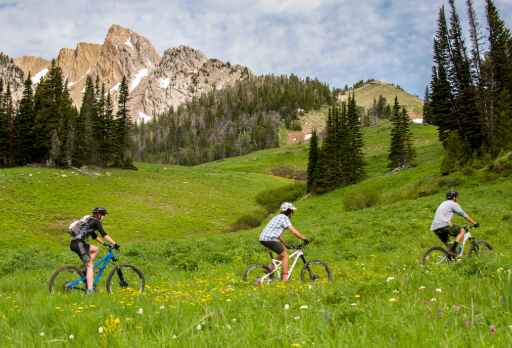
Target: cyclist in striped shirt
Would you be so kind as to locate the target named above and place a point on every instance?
(274, 230)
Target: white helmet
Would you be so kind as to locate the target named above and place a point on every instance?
(285, 206)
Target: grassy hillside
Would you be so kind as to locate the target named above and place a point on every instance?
(380, 295)
(367, 93)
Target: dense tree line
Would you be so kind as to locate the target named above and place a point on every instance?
(229, 122)
(469, 94)
(46, 128)
(339, 162)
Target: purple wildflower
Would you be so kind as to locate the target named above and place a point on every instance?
(440, 314)
(428, 303)
(404, 281)
(466, 322)
(458, 307)
(220, 315)
(492, 328)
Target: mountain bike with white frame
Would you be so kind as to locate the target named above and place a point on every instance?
(437, 255)
(313, 270)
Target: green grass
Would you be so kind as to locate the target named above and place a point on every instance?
(374, 254)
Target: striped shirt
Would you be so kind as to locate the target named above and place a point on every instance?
(275, 228)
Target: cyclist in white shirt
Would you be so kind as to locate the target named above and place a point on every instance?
(274, 230)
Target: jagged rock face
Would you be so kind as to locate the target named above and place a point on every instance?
(10, 73)
(154, 83)
(31, 64)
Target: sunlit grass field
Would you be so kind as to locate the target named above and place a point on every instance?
(380, 295)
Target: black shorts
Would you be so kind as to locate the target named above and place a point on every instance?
(450, 230)
(82, 249)
(276, 247)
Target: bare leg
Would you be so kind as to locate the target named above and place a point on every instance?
(285, 257)
(460, 236)
(93, 252)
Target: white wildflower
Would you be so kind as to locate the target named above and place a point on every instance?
(422, 287)
(229, 327)
(71, 337)
(296, 318)
(162, 307)
(174, 337)
(234, 320)
(433, 300)
(310, 286)
(286, 307)
(396, 292)
(304, 307)
(500, 270)
(140, 311)
(228, 300)
(390, 279)
(41, 334)
(199, 327)
(439, 290)
(354, 304)
(392, 300)
(100, 330)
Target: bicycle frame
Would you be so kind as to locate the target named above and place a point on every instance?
(467, 236)
(277, 264)
(105, 261)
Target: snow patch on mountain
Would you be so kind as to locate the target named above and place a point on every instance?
(138, 77)
(115, 88)
(72, 83)
(143, 118)
(417, 120)
(128, 43)
(37, 77)
(165, 83)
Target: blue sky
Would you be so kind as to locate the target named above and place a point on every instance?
(339, 42)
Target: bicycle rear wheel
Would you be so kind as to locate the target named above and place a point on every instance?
(316, 271)
(63, 277)
(125, 278)
(480, 248)
(256, 272)
(435, 255)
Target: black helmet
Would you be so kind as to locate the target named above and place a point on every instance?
(451, 193)
(99, 210)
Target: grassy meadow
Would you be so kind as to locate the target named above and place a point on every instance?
(380, 295)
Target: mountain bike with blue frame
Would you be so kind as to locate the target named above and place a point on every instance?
(122, 277)
(312, 271)
(438, 255)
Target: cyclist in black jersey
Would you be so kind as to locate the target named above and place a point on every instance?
(89, 252)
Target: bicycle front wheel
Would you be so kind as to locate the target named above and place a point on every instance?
(435, 255)
(126, 278)
(480, 248)
(61, 281)
(316, 271)
(256, 272)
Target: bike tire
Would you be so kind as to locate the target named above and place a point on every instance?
(133, 279)
(324, 272)
(257, 270)
(72, 274)
(477, 248)
(433, 251)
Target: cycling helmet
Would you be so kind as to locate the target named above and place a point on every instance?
(451, 193)
(99, 210)
(285, 206)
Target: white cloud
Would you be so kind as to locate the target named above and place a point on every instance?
(339, 42)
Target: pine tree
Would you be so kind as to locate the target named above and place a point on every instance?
(24, 123)
(314, 153)
(123, 127)
(327, 177)
(503, 124)
(401, 150)
(4, 126)
(355, 161)
(84, 144)
(427, 111)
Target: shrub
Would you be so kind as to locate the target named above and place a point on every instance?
(250, 220)
(360, 199)
(468, 171)
(272, 198)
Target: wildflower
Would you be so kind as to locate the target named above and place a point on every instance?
(140, 311)
(357, 296)
(229, 327)
(199, 327)
(310, 286)
(127, 319)
(428, 303)
(162, 307)
(174, 337)
(57, 307)
(296, 318)
(100, 330)
(439, 290)
(390, 279)
(422, 287)
(510, 327)
(500, 270)
(492, 328)
(296, 345)
(354, 304)
(286, 307)
(392, 300)
(440, 314)
(458, 307)
(466, 322)
(41, 334)
(396, 292)
(304, 307)
(228, 300)
(71, 337)
(234, 320)
(433, 300)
